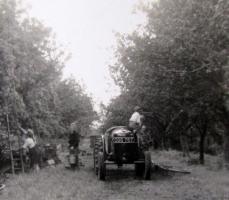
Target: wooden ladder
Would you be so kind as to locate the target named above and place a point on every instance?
(16, 156)
(17, 162)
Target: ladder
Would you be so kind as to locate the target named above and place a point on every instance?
(16, 156)
(17, 162)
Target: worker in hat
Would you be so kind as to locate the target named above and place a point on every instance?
(25, 132)
(136, 119)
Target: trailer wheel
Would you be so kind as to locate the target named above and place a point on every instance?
(147, 171)
(101, 166)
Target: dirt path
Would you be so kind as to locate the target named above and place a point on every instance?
(58, 183)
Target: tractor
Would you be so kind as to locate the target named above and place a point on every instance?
(117, 146)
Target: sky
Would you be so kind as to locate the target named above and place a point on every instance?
(86, 29)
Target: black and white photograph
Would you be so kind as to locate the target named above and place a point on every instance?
(114, 100)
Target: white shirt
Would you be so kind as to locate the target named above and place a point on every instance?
(29, 143)
(136, 117)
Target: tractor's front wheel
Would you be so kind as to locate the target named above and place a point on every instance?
(101, 166)
(139, 169)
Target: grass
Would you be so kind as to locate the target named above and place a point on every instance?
(57, 183)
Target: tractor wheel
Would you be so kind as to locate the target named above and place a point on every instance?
(101, 166)
(96, 150)
(139, 169)
(147, 171)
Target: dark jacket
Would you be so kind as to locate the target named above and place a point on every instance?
(74, 139)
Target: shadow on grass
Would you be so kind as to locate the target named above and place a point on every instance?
(115, 174)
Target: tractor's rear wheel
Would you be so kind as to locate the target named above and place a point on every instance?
(147, 171)
(101, 166)
(97, 148)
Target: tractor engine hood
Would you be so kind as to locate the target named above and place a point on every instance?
(120, 132)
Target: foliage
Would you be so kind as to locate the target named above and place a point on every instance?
(33, 92)
(74, 105)
(175, 63)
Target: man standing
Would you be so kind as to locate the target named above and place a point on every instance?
(74, 139)
(30, 144)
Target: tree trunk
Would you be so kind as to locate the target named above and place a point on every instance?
(226, 148)
(202, 126)
(184, 145)
(201, 146)
(226, 138)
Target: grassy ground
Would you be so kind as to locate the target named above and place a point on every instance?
(57, 183)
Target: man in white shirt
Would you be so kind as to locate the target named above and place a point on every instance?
(2, 186)
(29, 143)
(25, 132)
(135, 121)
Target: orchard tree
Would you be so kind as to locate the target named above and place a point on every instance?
(31, 79)
(176, 62)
